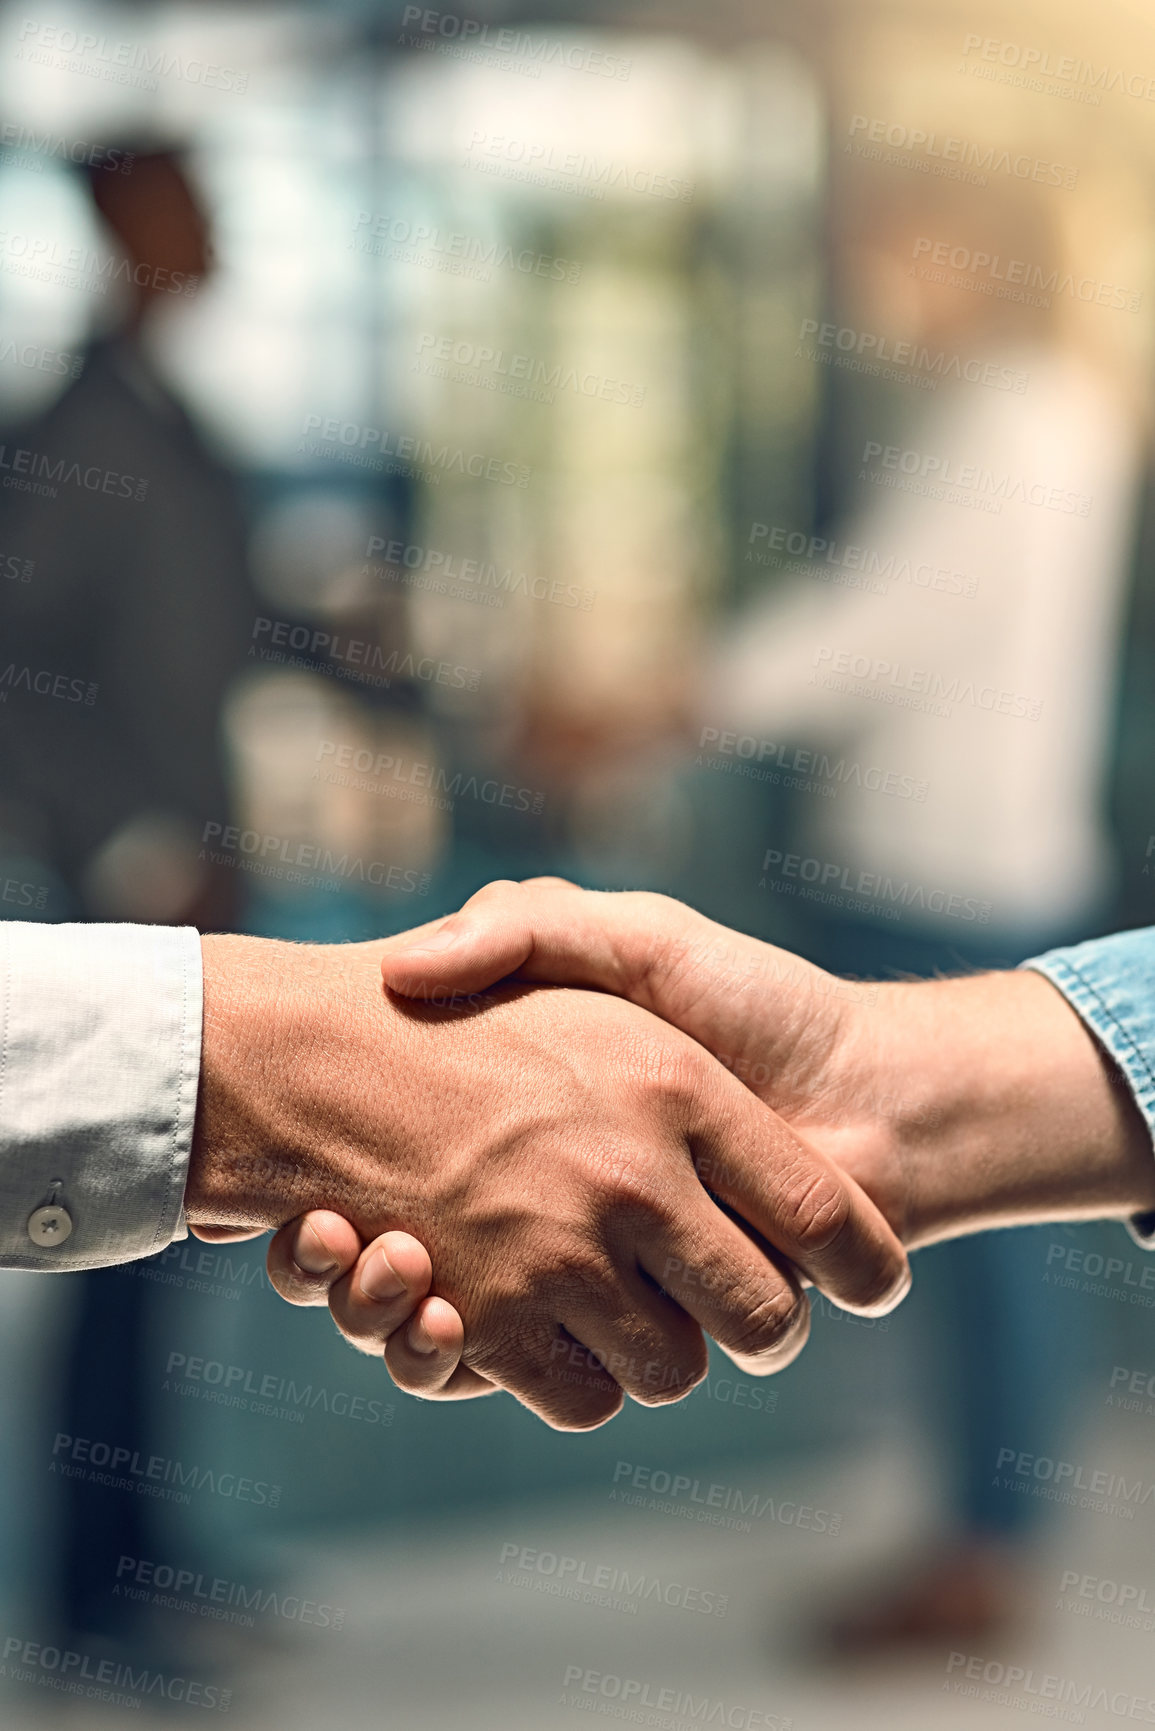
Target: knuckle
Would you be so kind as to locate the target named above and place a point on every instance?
(654, 1364)
(652, 904)
(815, 1209)
(585, 1410)
(665, 1070)
(669, 925)
(572, 1388)
(499, 891)
(507, 1303)
(578, 1272)
(629, 1190)
(766, 1325)
(662, 1382)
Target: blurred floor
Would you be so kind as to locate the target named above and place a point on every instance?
(436, 1637)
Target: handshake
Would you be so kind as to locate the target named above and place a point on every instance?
(601, 1126)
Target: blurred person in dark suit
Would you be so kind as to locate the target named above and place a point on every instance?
(139, 599)
(110, 767)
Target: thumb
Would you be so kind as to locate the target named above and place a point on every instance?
(492, 937)
(548, 930)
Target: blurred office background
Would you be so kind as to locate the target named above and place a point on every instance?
(528, 413)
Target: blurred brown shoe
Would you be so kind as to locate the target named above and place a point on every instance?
(968, 1593)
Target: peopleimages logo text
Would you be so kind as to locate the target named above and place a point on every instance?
(120, 62)
(834, 882)
(570, 170)
(122, 1468)
(405, 241)
(534, 51)
(402, 453)
(715, 1504)
(98, 1679)
(424, 783)
(564, 1574)
(1020, 273)
(45, 683)
(1066, 68)
(943, 472)
(268, 1393)
(215, 1597)
(1106, 1592)
(270, 855)
(915, 357)
(969, 160)
(639, 1700)
(855, 567)
(816, 767)
(361, 656)
(1067, 1476)
(35, 471)
(16, 137)
(1044, 1686)
(489, 368)
(441, 573)
(877, 677)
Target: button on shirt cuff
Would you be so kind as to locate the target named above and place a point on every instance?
(1110, 984)
(100, 1039)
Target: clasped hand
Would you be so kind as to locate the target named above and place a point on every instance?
(589, 1189)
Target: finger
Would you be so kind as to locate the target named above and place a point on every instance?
(309, 1254)
(656, 1353)
(491, 937)
(425, 1358)
(544, 929)
(381, 1291)
(649, 948)
(714, 1271)
(530, 1366)
(804, 1206)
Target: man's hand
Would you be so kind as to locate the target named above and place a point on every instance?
(543, 1146)
(956, 1104)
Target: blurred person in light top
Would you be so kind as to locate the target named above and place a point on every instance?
(1007, 814)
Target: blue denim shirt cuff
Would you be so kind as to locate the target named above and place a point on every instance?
(1110, 983)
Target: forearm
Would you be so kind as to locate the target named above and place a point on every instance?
(1004, 1108)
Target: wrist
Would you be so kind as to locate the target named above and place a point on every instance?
(1005, 1109)
(273, 1135)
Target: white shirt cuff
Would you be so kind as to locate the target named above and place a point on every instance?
(100, 1042)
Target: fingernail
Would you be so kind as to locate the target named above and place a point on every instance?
(379, 1281)
(432, 945)
(420, 1339)
(310, 1255)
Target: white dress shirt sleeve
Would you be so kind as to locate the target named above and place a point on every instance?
(100, 1041)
